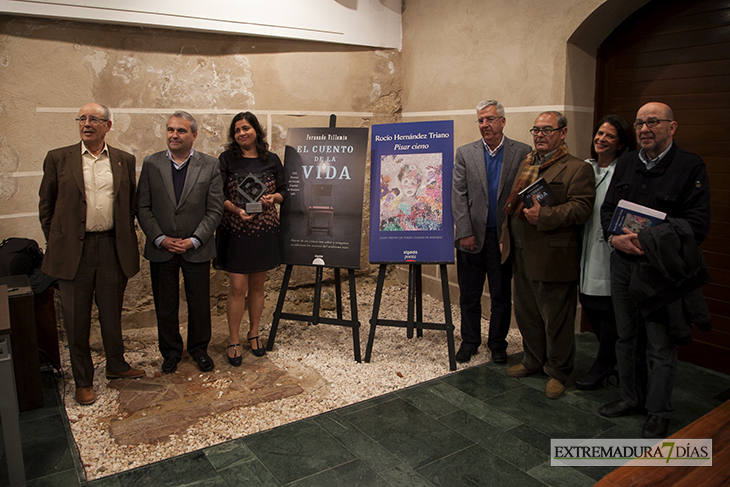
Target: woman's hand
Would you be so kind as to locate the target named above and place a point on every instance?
(271, 199)
(243, 215)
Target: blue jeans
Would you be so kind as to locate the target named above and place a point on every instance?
(641, 386)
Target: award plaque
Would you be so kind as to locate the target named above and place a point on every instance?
(250, 189)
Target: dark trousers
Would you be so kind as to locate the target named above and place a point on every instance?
(639, 339)
(545, 313)
(472, 271)
(99, 277)
(166, 292)
(600, 314)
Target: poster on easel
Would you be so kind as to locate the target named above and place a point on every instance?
(411, 166)
(321, 218)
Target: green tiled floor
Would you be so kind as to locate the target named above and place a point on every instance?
(473, 427)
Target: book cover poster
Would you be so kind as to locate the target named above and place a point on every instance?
(410, 196)
(321, 218)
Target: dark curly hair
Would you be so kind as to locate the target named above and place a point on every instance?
(625, 132)
(262, 147)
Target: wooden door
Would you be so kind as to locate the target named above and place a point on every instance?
(678, 52)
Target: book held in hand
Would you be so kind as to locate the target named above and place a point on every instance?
(541, 190)
(635, 217)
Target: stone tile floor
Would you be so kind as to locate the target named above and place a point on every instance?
(472, 427)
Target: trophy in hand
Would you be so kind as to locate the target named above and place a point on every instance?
(250, 189)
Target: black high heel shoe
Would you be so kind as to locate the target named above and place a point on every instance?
(596, 379)
(259, 352)
(237, 358)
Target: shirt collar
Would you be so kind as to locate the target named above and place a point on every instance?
(540, 160)
(649, 163)
(85, 149)
(182, 164)
(493, 152)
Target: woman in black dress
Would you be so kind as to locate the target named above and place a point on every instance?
(247, 243)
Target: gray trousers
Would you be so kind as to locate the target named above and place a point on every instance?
(545, 314)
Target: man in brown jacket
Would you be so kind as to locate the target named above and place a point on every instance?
(543, 241)
(86, 209)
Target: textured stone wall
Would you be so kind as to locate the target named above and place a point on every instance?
(49, 68)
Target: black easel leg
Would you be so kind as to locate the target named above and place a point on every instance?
(376, 308)
(411, 299)
(317, 295)
(419, 300)
(338, 293)
(279, 307)
(353, 316)
(447, 315)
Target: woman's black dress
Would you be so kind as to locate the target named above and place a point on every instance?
(245, 247)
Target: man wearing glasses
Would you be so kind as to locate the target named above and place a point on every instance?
(666, 178)
(543, 244)
(86, 209)
(483, 175)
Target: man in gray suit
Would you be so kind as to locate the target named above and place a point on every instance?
(179, 204)
(483, 175)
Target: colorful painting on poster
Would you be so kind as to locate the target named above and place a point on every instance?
(321, 218)
(410, 196)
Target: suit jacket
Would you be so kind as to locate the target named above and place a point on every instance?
(198, 213)
(470, 191)
(550, 249)
(62, 210)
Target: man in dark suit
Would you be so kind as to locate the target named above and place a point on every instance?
(483, 175)
(180, 203)
(543, 242)
(86, 209)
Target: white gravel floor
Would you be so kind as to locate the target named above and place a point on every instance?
(322, 351)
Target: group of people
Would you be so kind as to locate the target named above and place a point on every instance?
(191, 209)
(636, 300)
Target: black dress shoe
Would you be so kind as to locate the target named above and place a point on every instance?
(205, 363)
(464, 354)
(236, 359)
(655, 427)
(499, 356)
(595, 379)
(256, 346)
(619, 408)
(169, 365)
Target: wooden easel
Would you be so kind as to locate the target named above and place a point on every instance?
(315, 318)
(415, 310)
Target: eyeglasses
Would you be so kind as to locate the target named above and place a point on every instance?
(92, 120)
(487, 120)
(545, 130)
(651, 122)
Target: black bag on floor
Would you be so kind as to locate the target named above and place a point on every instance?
(20, 256)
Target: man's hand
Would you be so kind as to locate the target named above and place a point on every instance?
(177, 245)
(532, 213)
(468, 243)
(627, 243)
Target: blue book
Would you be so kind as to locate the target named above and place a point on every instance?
(635, 217)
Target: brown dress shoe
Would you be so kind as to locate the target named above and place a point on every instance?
(554, 389)
(520, 370)
(85, 395)
(130, 374)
